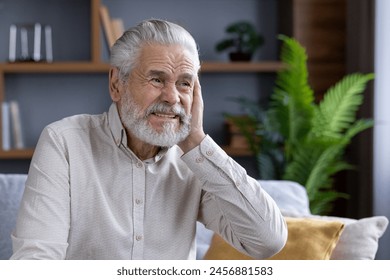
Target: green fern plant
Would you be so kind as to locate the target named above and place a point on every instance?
(304, 141)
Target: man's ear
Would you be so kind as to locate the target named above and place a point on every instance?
(115, 84)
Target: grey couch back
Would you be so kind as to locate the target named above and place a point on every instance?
(11, 192)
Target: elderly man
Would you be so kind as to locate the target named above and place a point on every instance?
(132, 183)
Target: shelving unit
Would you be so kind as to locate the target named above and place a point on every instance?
(17, 154)
(244, 67)
(100, 67)
(96, 65)
(57, 67)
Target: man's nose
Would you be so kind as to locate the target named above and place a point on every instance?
(170, 94)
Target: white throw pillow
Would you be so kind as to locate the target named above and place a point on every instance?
(359, 239)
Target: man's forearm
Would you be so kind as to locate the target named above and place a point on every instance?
(234, 205)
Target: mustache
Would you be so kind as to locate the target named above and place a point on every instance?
(167, 109)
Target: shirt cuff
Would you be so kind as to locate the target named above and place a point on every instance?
(207, 158)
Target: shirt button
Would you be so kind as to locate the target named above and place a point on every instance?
(138, 237)
(138, 201)
(199, 159)
(209, 152)
(139, 164)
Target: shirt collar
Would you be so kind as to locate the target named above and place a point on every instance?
(116, 127)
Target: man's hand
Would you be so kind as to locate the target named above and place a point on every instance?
(196, 134)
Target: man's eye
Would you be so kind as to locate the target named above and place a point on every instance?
(185, 84)
(156, 80)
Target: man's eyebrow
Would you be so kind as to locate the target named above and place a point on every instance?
(188, 76)
(160, 73)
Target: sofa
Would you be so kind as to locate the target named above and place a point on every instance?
(11, 192)
(310, 236)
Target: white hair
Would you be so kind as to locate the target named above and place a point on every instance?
(126, 50)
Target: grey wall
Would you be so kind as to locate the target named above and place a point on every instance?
(44, 98)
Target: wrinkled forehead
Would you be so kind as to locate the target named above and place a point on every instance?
(174, 57)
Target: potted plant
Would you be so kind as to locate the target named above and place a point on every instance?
(301, 140)
(240, 129)
(243, 41)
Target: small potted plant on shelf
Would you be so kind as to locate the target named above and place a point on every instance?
(241, 132)
(244, 41)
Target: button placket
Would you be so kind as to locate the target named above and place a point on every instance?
(139, 186)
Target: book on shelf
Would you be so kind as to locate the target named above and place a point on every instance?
(11, 126)
(6, 126)
(113, 27)
(16, 125)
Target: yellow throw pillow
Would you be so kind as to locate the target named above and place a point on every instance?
(308, 239)
(221, 250)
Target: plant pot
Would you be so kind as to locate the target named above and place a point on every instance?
(235, 137)
(240, 56)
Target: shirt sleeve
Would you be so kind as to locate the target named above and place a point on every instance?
(43, 219)
(234, 205)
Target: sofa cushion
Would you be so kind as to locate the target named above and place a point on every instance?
(221, 250)
(359, 240)
(11, 191)
(203, 240)
(308, 239)
(288, 195)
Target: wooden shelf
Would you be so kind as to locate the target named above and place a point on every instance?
(91, 67)
(17, 154)
(260, 66)
(56, 67)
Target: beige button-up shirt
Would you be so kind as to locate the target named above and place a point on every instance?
(88, 196)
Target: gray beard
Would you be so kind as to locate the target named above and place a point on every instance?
(137, 124)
